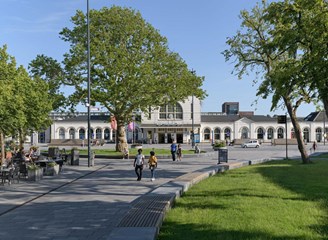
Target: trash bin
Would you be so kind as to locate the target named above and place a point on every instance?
(75, 157)
(222, 155)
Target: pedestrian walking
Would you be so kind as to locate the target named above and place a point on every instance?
(314, 146)
(152, 162)
(179, 152)
(138, 164)
(173, 150)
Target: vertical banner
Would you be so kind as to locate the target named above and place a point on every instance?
(113, 123)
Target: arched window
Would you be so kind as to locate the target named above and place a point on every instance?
(280, 132)
(82, 133)
(98, 133)
(306, 135)
(61, 133)
(270, 133)
(260, 133)
(106, 134)
(244, 133)
(207, 134)
(227, 133)
(71, 133)
(42, 137)
(318, 134)
(171, 112)
(217, 134)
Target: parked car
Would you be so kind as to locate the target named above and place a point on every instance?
(251, 143)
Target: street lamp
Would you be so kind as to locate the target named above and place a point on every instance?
(89, 90)
(192, 118)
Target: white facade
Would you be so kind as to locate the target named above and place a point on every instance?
(176, 123)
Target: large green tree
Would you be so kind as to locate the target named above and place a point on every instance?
(50, 71)
(24, 102)
(132, 67)
(264, 45)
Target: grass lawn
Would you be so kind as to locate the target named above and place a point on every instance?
(283, 200)
(133, 151)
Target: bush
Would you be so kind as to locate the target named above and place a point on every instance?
(219, 143)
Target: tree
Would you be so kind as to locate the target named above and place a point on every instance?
(50, 71)
(23, 108)
(269, 46)
(131, 65)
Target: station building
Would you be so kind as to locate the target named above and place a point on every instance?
(177, 123)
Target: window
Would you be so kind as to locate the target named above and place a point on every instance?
(244, 133)
(270, 133)
(260, 133)
(227, 133)
(42, 137)
(61, 133)
(217, 134)
(98, 133)
(170, 112)
(82, 133)
(106, 134)
(318, 134)
(280, 132)
(207, 134)
(306, 135)
(72, 133)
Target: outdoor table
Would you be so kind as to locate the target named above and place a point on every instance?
(43, 162)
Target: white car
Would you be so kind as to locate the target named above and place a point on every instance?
(251, 143)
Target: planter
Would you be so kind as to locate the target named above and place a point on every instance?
(52, 171)
(34, 174)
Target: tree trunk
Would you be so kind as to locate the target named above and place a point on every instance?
(120, 137)
(298, 132)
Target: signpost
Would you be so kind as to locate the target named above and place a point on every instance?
(283, 119)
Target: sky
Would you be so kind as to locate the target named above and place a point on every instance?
(196, 29)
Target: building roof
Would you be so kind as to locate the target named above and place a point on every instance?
(84, 118)
(232, 118)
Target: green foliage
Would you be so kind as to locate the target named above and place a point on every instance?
(267, 201)
(284, 42)
(219, 143)
(24, 102)
(49, 70)
(131, 65)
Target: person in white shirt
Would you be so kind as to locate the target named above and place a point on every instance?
(138, 164)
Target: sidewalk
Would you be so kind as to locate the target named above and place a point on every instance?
(101, 202)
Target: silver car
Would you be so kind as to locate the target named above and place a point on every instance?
(251, 143)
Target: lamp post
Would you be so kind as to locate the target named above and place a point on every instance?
(89, 90)
(192, 118)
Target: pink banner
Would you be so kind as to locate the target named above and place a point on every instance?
(131, 126)
(113, 123)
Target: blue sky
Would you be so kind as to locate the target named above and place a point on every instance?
(196, 29)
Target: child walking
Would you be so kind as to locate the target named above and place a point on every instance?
(152, 162)
(138, 164)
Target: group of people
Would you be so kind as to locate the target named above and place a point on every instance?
(176, 151)
(139, 161)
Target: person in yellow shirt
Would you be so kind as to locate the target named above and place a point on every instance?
(152, 162)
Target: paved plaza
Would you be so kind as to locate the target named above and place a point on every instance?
(89, 203)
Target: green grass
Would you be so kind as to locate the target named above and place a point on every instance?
(133, 151)
(283, 200)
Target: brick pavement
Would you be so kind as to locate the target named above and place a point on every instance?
(92, 203)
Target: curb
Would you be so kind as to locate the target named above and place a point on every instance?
(172, 190)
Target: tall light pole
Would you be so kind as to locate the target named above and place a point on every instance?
(89, 90)
(192, 118)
